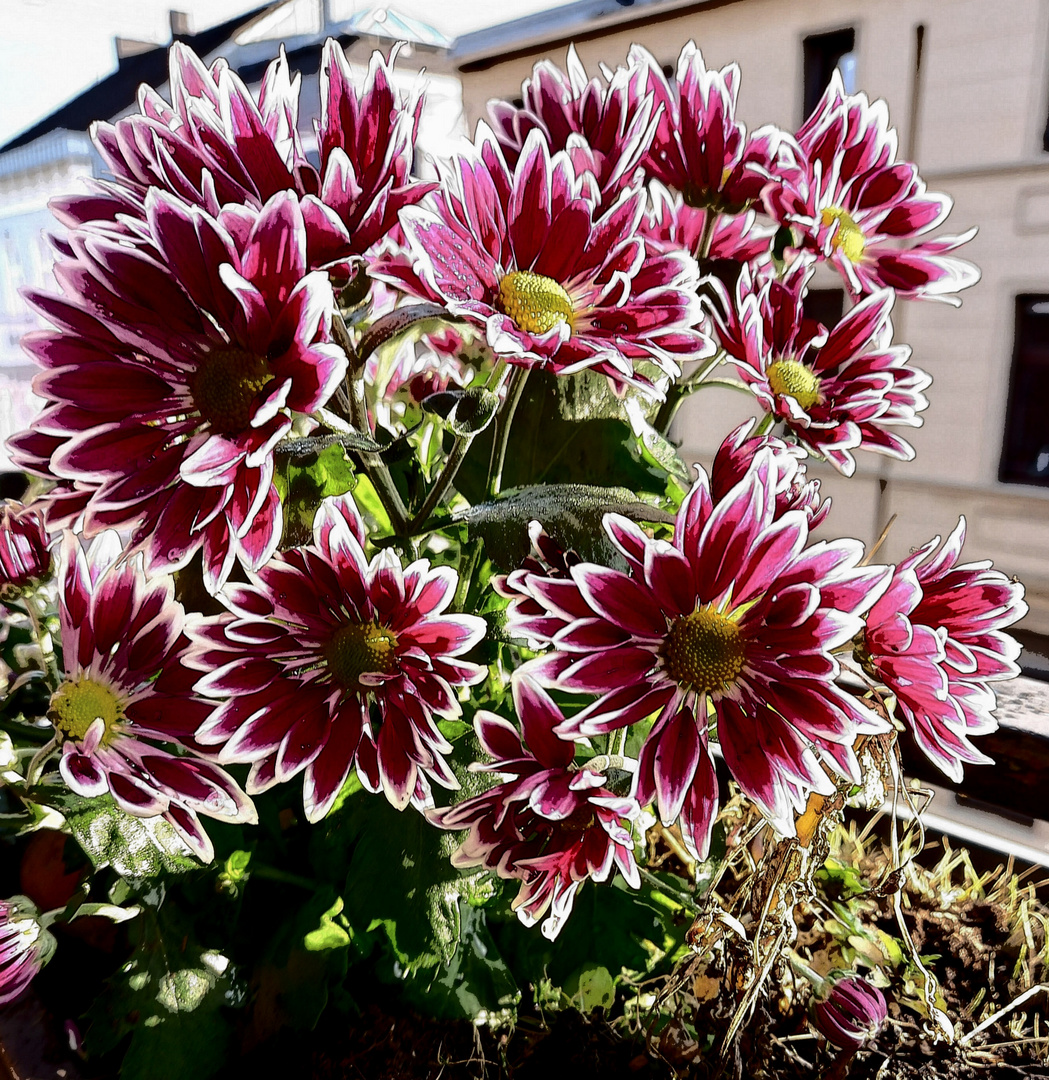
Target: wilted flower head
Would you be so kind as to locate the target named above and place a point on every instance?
(851, 201)
(330, 662)
(736, 620)
(24, 554)
(605, 127)
(126, 690)
(25, 946)
(837, 391)
(178, 363)
(935, 640)
(550, 823)
(555, 280)
(853, 1012)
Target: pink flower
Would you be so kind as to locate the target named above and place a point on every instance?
(699, 147)
(125, 689)
(853, 1012)
(25, 946)
(935, 640)
(550, 823)
(214, 146)
(24, 554)
(605, 127)
(835, 391)
(853, 203)
(177, 366)
(554, 280)
(329, 661)
(736, 621)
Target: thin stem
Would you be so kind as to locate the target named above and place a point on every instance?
(677, 393)
(710, 219)
(677, 896)
(271, 873)
(514, 393)
(765, 425)
(443, 482)
(358, 413)
(803, 969)
(725, 384)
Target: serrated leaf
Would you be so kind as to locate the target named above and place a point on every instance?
(571, 513)
(134, 847)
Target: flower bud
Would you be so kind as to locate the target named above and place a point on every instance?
(853, 1012)
(23, 545)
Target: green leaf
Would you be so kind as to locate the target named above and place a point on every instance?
(166, 996)
(570, 513)
(400, 880)
(593, 987)
(331, 934)
(134, 847)
(303, 481)
(554, 440)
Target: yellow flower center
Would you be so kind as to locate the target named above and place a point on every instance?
(78, 703)
(536, 303)
(359, 648)
(796, 380)
(849, 238)
(703, 651)
(224, 387)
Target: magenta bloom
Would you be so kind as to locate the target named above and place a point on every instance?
(736, 621)
(853, 1012)
(24, 554)
(606, 127)
(25, 946)
(699, 147)
(554, 280)
(550, 823)
(935, 640)
(329, 661)
(836, 391)
(853, 203)
(125, 689)
(214, 146)
(177, 366)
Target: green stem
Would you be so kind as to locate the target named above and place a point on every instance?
(680, 390)
(710, 219)
(271, 873)
(442, 484)
(515, 392)
(676, 895)
(818, 982)
(765, 425)
(36, 766)
(726, 384)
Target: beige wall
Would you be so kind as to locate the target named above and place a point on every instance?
(981, 109)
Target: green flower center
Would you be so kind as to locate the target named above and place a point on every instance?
(703, 651)
(358, 649)
(796, 380)
(78, 703)
(224, 387)
(849, 238)
(536, 303)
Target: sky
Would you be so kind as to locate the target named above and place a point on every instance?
(51, 50)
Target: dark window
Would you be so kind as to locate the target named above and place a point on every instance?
(1025, 457)
(825, 306)
(824, 53)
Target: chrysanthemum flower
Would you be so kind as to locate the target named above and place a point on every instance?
(851, 201)
(550, 823)
(125, 690)
(25, 946)
(555, 281)
(836, 391)
(329, 661)
(853, 1012)
(736, 621)
(24, 554)
(699, 148)
(935, 640)
(606, 127)
(671, 223)
(214, 146)
(178, 364)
